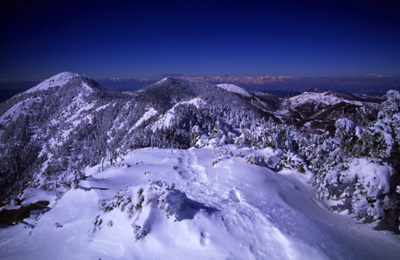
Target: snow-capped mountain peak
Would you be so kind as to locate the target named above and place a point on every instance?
(57, 80)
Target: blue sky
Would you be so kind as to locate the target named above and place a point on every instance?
(149, 38)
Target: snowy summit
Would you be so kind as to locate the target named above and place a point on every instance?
(57, 80)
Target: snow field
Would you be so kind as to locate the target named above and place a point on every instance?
(192, 204)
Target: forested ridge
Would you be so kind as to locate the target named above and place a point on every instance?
(52, 132)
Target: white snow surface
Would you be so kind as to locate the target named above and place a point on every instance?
(192, 204)
(234, 89)
(150, 112)
(325, 98)
(57, 80)
(73, 114)
(374, 177)
(165, 120)
(161, 81)
(16, 110)
(348, 126)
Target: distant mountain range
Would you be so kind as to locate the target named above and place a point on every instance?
(279, 85)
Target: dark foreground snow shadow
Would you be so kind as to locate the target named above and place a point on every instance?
(190, 208)
(91, 188)
(11, 217)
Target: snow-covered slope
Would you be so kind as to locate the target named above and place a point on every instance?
(327, 98)
(182, 204)
(51, 136)
(150, 112)
(68, 122)
(71, 116)
(234, 89)
(57, 80)
(21, 107)
(316, 112)
(165, 121)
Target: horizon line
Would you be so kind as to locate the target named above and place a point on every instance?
(213, 77)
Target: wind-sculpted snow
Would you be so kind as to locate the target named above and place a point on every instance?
(181, 204)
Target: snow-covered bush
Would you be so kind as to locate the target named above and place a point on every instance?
(360, 186)
(256, 159)
(362, 172)
(346, 127)
(320, 152)
(141, 207)
(287, 139)
(376, 142)
(391, 106)
(199, 138)
(386, 131)
(292, 161)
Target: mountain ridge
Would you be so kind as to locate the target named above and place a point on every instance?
(62, 130)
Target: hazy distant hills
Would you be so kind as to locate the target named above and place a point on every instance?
(279, 85)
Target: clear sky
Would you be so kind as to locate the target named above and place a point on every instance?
(149, 38)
